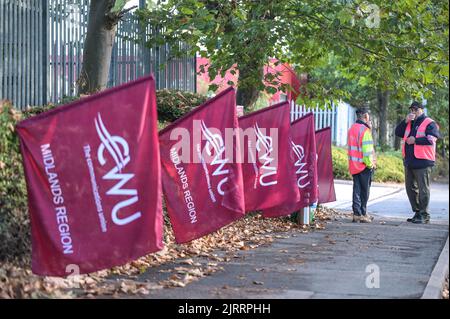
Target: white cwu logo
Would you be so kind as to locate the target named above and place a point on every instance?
(119, 151)
(215, 142)
(264, 144)
(301, 172)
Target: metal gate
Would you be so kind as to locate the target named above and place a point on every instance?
(41, 48)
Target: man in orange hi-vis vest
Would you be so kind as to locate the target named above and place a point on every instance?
(419, 134)
(361, 163)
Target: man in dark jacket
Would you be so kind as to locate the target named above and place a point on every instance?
(419, 134)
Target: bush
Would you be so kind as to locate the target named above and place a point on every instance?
(440, 170)
(389, 166)
(173, 104)
(14, 221)
(15, 241)
(340, 163)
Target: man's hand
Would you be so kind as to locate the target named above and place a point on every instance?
(411, 140)
(410, 117)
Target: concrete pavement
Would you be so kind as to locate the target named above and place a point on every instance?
(389, 258)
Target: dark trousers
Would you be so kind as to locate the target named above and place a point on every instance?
(417, 183)
(361, 189)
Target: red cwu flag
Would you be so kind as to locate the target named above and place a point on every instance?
(93, 176)
(325, 166)
(303, 152)
(202, 180)
(268, 168)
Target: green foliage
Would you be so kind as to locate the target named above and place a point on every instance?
(119, 5)
(389, 166)
(340, 163)
(32, 111)
(406, 53)
(438, 108)
(400, 46)
(440, 171)
(162, 125)
(262, 101)
(173, 104)
(14, 222)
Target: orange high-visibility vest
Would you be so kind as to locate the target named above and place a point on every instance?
(355, 153)
(427, 152)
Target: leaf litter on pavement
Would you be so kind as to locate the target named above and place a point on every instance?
(250, 232)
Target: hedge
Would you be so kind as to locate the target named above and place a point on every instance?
(14, 221)
(389, 166)
(173, 104)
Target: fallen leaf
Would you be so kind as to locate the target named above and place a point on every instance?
(187, 261)
(247, 233)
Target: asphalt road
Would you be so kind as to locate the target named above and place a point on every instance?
(390, 200)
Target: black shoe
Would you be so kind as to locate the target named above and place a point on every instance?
(421, 219)
(411, 219)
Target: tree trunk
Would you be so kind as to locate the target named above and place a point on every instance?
(375, 131)
(398, 120)
(97, 50)
(248, 92)
(247, 97)
(383, 102)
